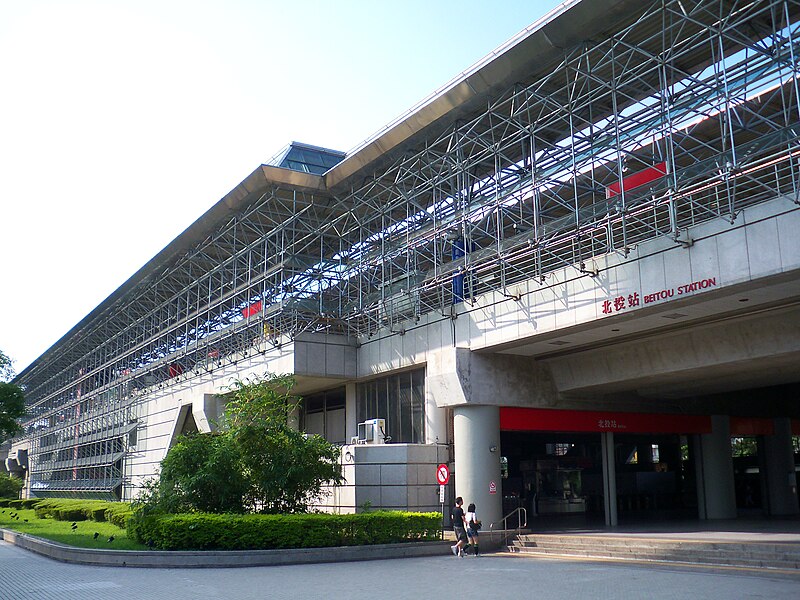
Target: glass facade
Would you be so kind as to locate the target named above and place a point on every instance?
(400, 399)
(324, 414)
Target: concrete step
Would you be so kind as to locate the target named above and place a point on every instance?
(742, 554)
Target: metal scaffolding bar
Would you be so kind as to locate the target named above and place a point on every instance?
(687, 111)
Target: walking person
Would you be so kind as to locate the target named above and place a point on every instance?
(459, 527)
(473, 525)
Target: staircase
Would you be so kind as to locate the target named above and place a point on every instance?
(748, 554)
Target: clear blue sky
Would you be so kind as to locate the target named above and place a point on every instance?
(123, 121)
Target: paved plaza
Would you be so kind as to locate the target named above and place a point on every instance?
(27, 576)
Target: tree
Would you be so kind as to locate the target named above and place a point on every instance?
(6, 367)
(12, 400)
(286, 468)
(12, 407)
(9, 486)
(256, 462)
(201, 472)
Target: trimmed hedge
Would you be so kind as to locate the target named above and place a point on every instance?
(65, 509)
(202, 531)
(17, 503)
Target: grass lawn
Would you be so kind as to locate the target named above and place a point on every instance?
(61, 531)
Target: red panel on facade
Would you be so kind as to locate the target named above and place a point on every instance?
(751, 426)
(251, 310)
(545, 419)
(637, 179)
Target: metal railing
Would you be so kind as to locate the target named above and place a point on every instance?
(522, 522)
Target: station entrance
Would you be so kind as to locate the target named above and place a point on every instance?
(562, 476)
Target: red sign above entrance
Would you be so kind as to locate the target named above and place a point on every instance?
(751, 426)
(632, 300)
(545, 419)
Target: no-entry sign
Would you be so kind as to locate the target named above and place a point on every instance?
(442, 474)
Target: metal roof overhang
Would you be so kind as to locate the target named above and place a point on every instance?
(257, 183)
(526, 58)
(530, 56)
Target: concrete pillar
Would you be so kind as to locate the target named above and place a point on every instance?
(695, 451)
(350, 414)
(476, 433)
(714, 467)
(781, 481)
(609, 478)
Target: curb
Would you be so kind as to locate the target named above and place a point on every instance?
(220, 559)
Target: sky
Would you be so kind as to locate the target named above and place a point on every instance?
(123, 121)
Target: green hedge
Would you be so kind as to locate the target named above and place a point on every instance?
(201, 531)
(17, 503)
(65, 509)
(20, 504)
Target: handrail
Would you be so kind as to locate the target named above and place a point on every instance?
(522, 522)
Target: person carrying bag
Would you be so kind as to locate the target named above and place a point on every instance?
(473, 526)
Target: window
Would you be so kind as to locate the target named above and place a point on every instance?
(400, 399)
(323, 414)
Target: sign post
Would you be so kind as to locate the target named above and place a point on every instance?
(442, 478)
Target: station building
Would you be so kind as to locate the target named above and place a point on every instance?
(572, 275)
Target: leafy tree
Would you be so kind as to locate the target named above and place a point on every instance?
(744, 446)
(255, 463)
(285, 468)
(12, 407)
(9, 486)
(12, 400)
(201, 472)
(6, 367)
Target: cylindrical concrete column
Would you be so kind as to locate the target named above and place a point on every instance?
(715, 471)
(609, 478)
(696, 453)
(476, 432)
(779, 462)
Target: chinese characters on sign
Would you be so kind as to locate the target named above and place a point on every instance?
(621, 303)
(609, 424)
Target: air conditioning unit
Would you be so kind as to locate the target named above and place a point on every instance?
(372, 431)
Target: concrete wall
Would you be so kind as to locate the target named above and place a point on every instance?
(388, 476)
(484, 354)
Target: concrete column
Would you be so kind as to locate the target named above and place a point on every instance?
(435, 416)
(715, 471)
(350, 414)
(609, 478)
(781, 481)
(695, 452)
(476, 432)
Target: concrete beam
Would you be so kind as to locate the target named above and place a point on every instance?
(761, 347)
(459, 376)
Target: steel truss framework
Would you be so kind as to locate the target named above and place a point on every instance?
(706, 91)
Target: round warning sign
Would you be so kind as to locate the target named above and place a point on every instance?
(442, 474)
(492, 487)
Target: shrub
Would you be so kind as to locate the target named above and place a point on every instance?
(10, 486)
(118, 514)
(71, 514)
(26, 503)
(203, 531)
(96, 513)
(68, 509)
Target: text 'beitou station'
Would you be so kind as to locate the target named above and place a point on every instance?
(572, 276)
